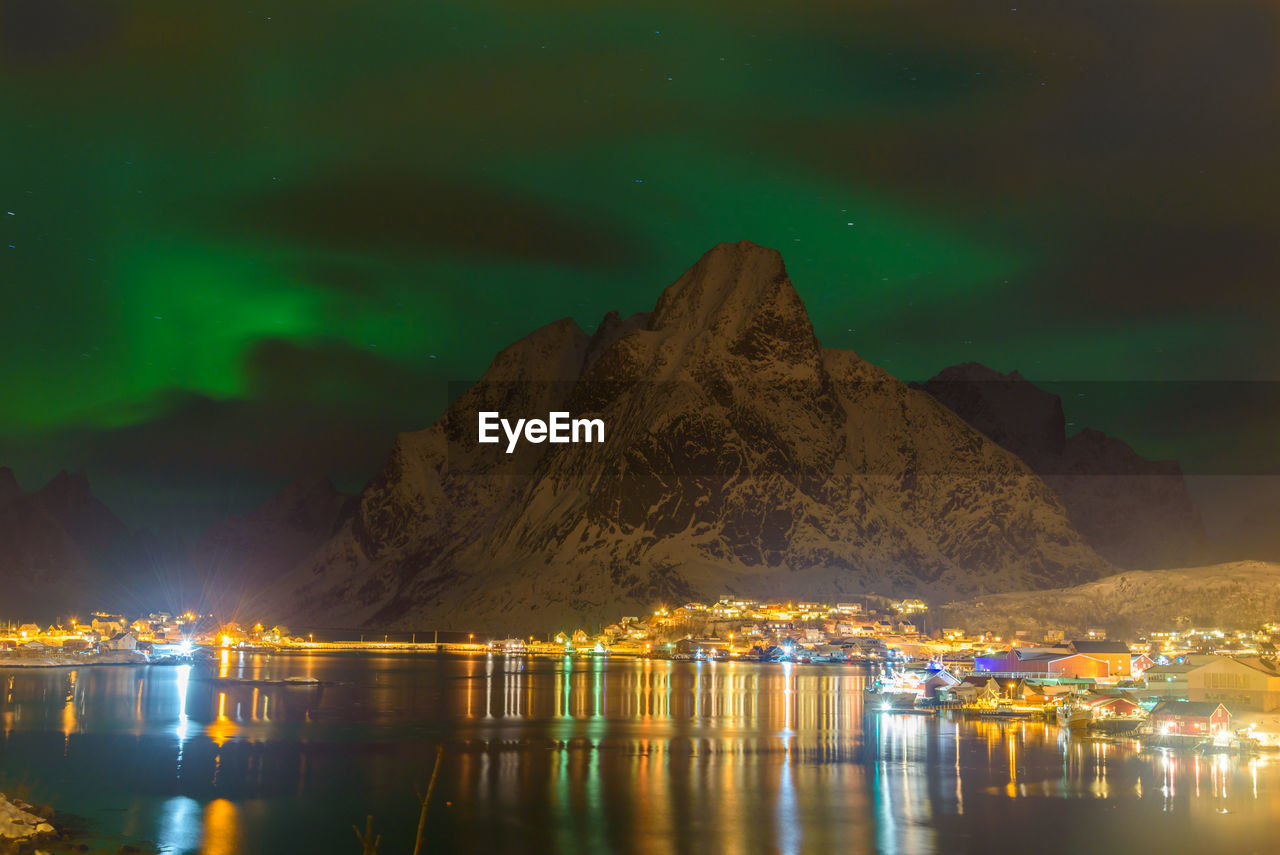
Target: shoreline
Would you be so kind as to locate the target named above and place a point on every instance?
(73, 660)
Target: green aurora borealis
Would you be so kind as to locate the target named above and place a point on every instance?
(244, 243)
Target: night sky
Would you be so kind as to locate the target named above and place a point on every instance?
(250, 241)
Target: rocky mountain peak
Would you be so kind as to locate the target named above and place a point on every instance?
(308, 501)
(612, 328)
(64, 549)
(72, 486)
(739, 456)
(740, 294)
(1009, 409)
(727, 276)
(69, 499)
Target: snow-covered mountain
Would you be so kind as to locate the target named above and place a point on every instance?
(740, 456)
(1135, 512)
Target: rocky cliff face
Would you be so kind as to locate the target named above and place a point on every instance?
(1137, 513)
(740, 456)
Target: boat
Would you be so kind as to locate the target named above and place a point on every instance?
(896, 703)
(889, 700)
(1074, 716)
(899, 694)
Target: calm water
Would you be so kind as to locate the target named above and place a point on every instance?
(593, 757)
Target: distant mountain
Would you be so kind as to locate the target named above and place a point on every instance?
(238, 557)
(740, 456)
(1135, 512)
(63, 551)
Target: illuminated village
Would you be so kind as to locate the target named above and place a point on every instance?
(1196, 688)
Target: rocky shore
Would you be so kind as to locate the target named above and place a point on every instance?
(59, 659)
(21, 823)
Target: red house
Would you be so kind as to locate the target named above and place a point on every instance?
(1115, 705)
(1190, 718)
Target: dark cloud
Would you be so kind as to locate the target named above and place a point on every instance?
(323, 409)
(326, 407)
(38, 32)
(1135, 269)
(417, 214)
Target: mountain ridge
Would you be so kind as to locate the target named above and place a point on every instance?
(1230, 595)
(1135, 512)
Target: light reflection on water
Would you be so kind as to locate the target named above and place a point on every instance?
(592, 756)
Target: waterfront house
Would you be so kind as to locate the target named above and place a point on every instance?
(122, 641)
(1043, 693)
(28, 630)
(708, 647)
(1168, 681)
(107, 626)
(1057, 662)
(1190, 718)
(838, 629)
(936, 679)
(973, 689)
(1116, 654)
(1111, 705)
(1245, 683)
